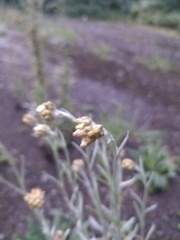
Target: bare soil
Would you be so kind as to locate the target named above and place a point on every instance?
(153, 96)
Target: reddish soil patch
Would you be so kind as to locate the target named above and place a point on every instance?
(154, 95)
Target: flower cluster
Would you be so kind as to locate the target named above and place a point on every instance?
(35, 198)
(46, 110)
(77, 165)
(88, 130)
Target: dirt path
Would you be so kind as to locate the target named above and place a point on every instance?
(157, 90)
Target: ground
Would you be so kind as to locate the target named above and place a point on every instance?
(113, 66)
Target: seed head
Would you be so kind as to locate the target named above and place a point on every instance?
(35, 198)
(42, 130)
(29, 119)
(49, 106)
(79, 133)
(77, 165)
(128, 163)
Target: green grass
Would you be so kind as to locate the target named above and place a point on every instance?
(159, 18)
(103, 52)
(48, 28)
(66, 34)
(156, 62)
(34, 230)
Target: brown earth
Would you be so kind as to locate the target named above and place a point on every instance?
(120, 79)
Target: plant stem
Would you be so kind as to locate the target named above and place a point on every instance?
(37, 52)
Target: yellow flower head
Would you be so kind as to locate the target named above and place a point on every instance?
(42, 130)
(46, 110)
(128, 163)
(35, 198)
(77, 165)
(29, 119)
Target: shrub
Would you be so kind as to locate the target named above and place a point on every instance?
(158, 13)
(101, 9)
(159, 18)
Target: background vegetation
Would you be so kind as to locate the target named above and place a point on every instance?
(165, 13)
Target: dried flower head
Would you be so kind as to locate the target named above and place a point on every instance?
(128, 163)
(77, 165)
(88, 130)
(35, 198)
(42, 130)
(59, 235)
(29, 119)
(46, 110)
(49, 106)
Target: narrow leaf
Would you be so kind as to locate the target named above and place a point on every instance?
(150, 232)
(150, 209)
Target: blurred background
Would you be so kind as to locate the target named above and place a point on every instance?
(115, 60)
(155, 12)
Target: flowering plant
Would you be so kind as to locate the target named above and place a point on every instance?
(96, 186)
